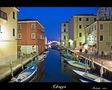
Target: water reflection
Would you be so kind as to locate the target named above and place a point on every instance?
(54, 69)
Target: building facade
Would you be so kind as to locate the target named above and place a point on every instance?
(8, 33)
(99, 35)
(79, 22)
(104, 13)
(31, 36)
(64, 34)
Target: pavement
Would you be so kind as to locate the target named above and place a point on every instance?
(5, 69)
(105, 61)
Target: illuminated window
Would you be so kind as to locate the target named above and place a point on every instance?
(33, 36)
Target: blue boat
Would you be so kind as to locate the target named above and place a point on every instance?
(27, 75)
(79, 65)
(89, 77)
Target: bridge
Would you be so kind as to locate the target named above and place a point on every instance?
(51, 42)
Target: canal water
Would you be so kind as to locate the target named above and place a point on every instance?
(56, 70)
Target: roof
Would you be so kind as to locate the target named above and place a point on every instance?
(85, 15)
(27, 20)
(31, 20)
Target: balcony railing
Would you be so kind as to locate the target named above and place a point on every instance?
(3, 15)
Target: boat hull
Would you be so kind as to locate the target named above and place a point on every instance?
(88, 77)
(78, 65)
(27, 75)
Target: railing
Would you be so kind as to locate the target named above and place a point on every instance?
(3, 15)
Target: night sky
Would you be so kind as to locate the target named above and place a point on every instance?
(52, 17)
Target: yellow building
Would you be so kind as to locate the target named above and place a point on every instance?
(64, 34)
(8, 34)
(79, 22)
(99, 35)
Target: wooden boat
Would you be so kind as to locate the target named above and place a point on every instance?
(78, 64)
(67, 56)
(88, 77)
(27, 75)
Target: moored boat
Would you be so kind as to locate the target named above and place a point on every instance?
(78, 64)
(88, 77)
(27, 75)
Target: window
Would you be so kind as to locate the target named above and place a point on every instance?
(14, 33)
(64, 30)
(32, 26)
(95, 27)
(80, 34)
(87, 19)
(19, 36)
(86, 25)
(19, 26)
(33, 48)
(14, 15)
(92, 28)
(80, 26)
(94, 19)
(33, 36)
(101, 26)
(64, 37)
(101, 37)
(80, 19)
(80, 43)
(64, 25)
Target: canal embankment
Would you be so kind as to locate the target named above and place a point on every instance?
(98, 63)
(5, 71)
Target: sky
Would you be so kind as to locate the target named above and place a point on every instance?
(52, 17)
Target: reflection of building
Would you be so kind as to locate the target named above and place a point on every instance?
(78, 23)
(8, 33)
(64, 34)
(30, 36)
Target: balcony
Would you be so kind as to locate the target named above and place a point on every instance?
(3, 16)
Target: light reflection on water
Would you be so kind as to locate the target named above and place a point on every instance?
(55, 69)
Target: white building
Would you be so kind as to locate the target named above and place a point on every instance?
(64, 34)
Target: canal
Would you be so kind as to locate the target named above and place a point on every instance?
(56, 70)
